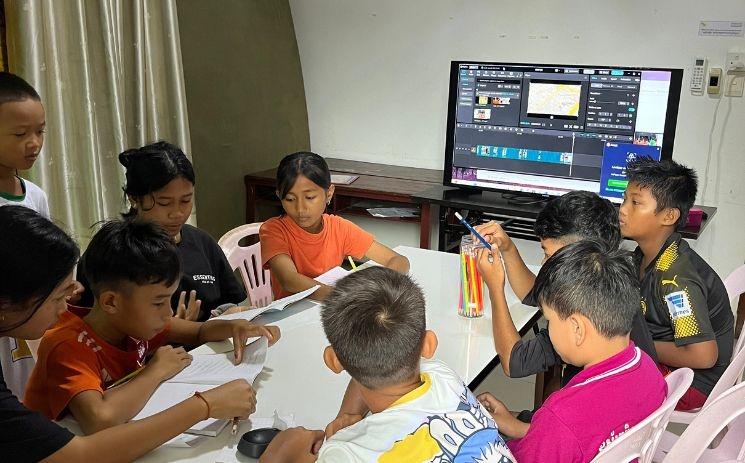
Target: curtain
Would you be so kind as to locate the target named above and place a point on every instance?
(110, 77)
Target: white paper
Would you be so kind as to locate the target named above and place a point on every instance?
(341, 179)
(220, 368)
(332, 276)
(230, 454)
(279, 304)
(721, 28)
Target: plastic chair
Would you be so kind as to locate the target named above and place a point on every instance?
(735, 284)
(727, 410)
(247, 259)
(641, 440)
(33, 346)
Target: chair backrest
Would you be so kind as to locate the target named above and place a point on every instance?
(735, 282)
(726, 410)
(247, 259)
(731, 376)
(641, 440)
(33, 346)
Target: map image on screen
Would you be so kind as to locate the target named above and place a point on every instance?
(552, 99)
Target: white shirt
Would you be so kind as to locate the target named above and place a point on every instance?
(440, 421)
(15, 355)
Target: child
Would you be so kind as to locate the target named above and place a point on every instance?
(685, 303)
(133, 268)
(160, 188)
(589, 294)
(304, 242)
(22, 123)
(421, 411)
(575, 216)
(37, 261)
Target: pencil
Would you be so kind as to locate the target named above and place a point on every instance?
(351, 262)
(234, 430)
(126, 378)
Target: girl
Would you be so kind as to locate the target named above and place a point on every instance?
(37, 261)
(305, 242)
(160, 188)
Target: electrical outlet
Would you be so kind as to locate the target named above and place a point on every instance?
(734, 84)
(736, 61)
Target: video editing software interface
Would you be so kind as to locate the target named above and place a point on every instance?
(550, 130)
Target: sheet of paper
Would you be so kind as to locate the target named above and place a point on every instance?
(220, 368)
(230, 454)
(332, 276)
(343, 179)
(169, 394)
(279, 304)
(218, 347)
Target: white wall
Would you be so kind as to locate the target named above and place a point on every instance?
(376, 78)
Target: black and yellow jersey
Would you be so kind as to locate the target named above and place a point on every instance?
(685, 301)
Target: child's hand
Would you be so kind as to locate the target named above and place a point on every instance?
(168, 361)
(294, 444)
(341, 422)
(494, 406)
(188, 311)
(77, 292)
(238, 308)
(495, 234)
(234, 399)
(243, 330)
(490, 266)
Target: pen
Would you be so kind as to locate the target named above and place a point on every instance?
(351, 261)
(235, 426)
(126, 378)
(473, 231)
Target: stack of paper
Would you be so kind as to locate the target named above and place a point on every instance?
(277, 305)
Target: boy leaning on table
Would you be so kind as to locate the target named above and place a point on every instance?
(401, 405)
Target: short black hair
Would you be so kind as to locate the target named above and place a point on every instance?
(35, 257)
(595, 280)
(374, 320)
(579, 215)
(672, 185)
(305, 163)
(152, 167)
(14, 88)
(133, 251)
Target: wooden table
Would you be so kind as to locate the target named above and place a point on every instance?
(389, 186)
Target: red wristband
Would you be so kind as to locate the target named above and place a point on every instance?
(199, 394)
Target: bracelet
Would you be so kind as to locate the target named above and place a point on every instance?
(199, 394)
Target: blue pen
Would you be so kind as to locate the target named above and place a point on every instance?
(472, 230)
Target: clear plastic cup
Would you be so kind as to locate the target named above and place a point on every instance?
(471, 300)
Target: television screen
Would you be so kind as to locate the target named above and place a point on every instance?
(549, 129)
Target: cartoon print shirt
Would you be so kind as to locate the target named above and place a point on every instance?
(439, 422)
(685, 301)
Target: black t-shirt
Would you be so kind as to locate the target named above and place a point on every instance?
(204, 268)
(531, 356)
(26, 435)
(685, 301)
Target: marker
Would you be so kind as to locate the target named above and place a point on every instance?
(473, 231)
(351, 261)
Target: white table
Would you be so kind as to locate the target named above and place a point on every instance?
(295, 379)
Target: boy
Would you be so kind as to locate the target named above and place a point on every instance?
(22, 122)
(421, 411)
(575, 216)
(133, 269)
(685, 303)
(589, 294)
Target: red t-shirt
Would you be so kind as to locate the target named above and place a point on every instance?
(72, 359)
(313, 254)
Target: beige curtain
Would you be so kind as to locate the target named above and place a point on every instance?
(110, 77)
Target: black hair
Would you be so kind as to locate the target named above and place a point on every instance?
(595, 280)
(672, 185)
(579, 215)
(133, 251)
(14, 88)
(304, 163)
(374, 320)
(35, 257)
(152, 167)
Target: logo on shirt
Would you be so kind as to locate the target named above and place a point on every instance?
(84, 338)
(206, 279)
(678, 305)
(670, 282)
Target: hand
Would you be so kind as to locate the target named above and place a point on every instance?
(243, 330)
(235, 399)
(77, 292)
(494, 406)
(292, 445)
(188, 311)
(342, 421)
(490, 266)
(237, 308)
(168, 361)
(495, 234)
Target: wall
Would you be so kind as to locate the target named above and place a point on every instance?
(376, 78)
(245, 96)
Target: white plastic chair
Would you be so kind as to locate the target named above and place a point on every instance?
(33, 346)
(735, 284)
(641, 440)
(727, 410)
(247, 259)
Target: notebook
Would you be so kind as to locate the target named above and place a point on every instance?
(277, 305)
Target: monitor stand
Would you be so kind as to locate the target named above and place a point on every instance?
(514, 198)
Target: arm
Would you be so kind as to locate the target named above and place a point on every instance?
(387, 257)
(295, 445)
(284, 270)
(700, 355)
(129, 441)
(353, 409)
(520, 277)
(506, 423)
(96, 411)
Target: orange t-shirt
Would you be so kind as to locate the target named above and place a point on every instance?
(313, 254)
(73, 359)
